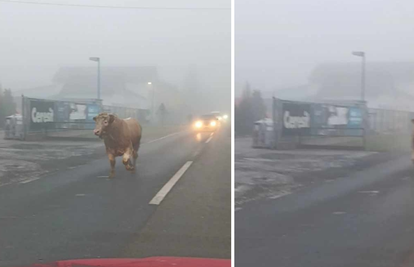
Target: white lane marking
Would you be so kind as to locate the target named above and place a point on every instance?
(338, 212)
(259, 159)
(369, 192)
(73, 167)
(197, 152)
(4, 184)
(209, 139)
(79, 195)
(161, 138)
(102, 176)
(237, 209)
(280, 195)
(29, 180)
(169, 185)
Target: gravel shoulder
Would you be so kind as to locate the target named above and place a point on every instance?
(21, 161)
(264, 173)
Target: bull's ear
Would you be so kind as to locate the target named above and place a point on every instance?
(94, 118)
(111, 118)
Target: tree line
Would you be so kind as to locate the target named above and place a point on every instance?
(251, 108)
(7, 105)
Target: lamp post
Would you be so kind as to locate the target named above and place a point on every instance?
(362, 55)
(364, 115)
(152, 101)
(97, 59)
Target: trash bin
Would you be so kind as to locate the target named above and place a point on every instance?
(14, 127)
(263, 134)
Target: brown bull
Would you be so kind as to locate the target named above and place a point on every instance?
(122, 137)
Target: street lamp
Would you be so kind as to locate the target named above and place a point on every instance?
(362, 55)
(152, 102)
(97, 59)
(364, 116)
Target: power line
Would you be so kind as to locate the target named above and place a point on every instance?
(116, 7)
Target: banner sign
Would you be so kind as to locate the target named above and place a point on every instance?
(334, 118)
(337, 116)
(355, 117)
(77, 112)
(314, 119)
(41, 113)
(93, 111)
(62, 111)
(296, 118)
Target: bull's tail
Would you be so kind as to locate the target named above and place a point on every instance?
(139, 138)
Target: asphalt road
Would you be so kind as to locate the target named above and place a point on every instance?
(80, 213)
(365, 219)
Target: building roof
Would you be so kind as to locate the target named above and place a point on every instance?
(136, 74)
(344, 79)
(82, 81)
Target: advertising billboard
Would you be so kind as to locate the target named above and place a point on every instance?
(77, 112)
(296, 118)
(355, 117)
(41, 114)
(93, 111)
(62, 111)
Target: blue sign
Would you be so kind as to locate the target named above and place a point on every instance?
(62, 111)
(355, 117)
(93, 110)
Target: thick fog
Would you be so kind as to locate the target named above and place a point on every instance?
(36, 40)
(280, 43)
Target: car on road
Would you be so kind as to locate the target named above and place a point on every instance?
(217, 114)
(220, 116)
(206, 123)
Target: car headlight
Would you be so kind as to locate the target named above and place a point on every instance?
(198, 124)
(213, 123)
(225, 117)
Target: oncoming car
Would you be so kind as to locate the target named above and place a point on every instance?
(206, 123)
(220, 116)
(217, 114)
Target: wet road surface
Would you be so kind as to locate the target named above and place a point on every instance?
(364, 219)
(80, 213)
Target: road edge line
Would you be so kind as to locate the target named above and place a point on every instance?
(29, 180)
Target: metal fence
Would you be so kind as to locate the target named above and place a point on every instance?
(382, 121)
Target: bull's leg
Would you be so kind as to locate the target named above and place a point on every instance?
(112, 162)
(135, 154)
(134, 163)
(127, 159)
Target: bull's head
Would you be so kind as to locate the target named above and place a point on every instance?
(102, 123)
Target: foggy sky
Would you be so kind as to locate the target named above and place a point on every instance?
(36, 40)
(278, 43)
